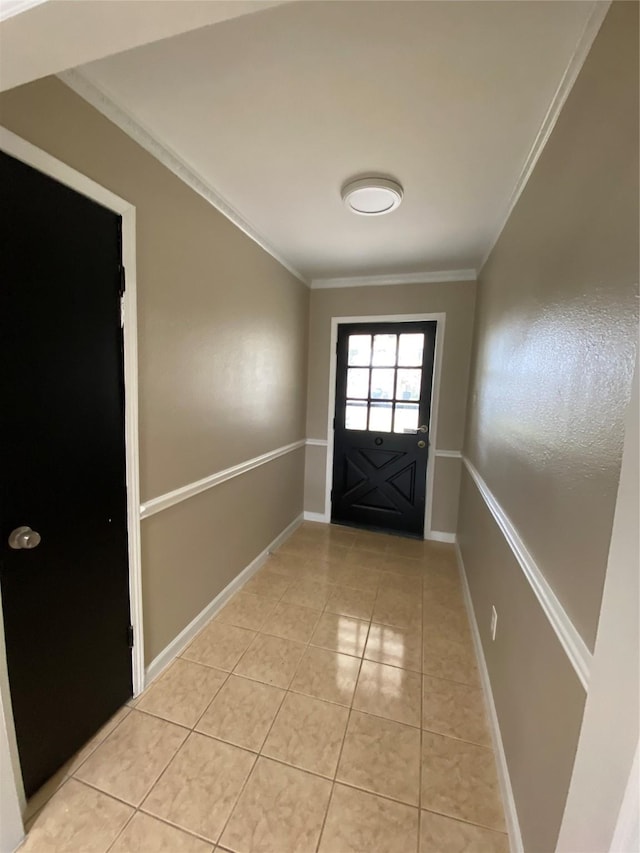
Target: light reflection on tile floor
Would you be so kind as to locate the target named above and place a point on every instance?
(333, 705)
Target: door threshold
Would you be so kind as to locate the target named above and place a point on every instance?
(371, 528)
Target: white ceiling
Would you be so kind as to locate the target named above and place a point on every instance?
(276, 110)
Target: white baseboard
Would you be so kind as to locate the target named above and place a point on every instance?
(316, 516)
(511, 814)
(440, 536)
(166, 656)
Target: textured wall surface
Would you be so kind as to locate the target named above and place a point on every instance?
(555, 341)
(222, 360)
(603, 765)
(557, 329)
(538, 696)
(235, 520)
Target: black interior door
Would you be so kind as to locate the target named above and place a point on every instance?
(381, 441)
(65, 602)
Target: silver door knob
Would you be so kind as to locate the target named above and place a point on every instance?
(423, 428)
(24, 537)
(422, 443)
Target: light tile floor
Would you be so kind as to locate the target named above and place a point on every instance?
(332, 705)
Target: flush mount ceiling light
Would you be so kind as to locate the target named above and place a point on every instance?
(372, 196)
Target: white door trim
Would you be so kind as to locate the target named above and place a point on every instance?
(24, 151)
(626, 835)
(440, 319)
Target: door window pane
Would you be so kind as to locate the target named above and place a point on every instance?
(406, 419)
(356, 415)
(408, 387)
(358, 382)
(380, 417)
(384, 350)
(410, 350)
(382, 383)
(360, 349)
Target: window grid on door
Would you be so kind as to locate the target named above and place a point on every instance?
(384, 377)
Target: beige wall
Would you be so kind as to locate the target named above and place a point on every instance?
(456, 300)
(556, 330)
(609, 733)
(216, 534)
(538, 697)
(555, 340)
(222, 360)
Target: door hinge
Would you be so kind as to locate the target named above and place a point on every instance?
(130, 636)
(123, 283)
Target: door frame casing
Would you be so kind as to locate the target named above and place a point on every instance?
(440, 319)
(35, 157)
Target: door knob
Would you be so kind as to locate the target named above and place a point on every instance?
(422, 443)
(423, 428)
(24, 537)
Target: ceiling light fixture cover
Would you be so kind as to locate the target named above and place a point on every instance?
(372, 196)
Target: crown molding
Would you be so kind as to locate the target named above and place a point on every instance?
(574, 66)
(105, 104)
(102, 102)
(402, 278)
(10, 8)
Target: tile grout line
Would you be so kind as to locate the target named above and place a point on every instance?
(177, 826)
(190, 730)
(308, 696)
(422, 677)
(119, 834)
(307, 644)
(350, 707)
(291, 580)
(333, 781)
(470, 684)
(32, 818)
(361, 658)
(346, 729)
(173, 757)
(260, 753)
(326, 813)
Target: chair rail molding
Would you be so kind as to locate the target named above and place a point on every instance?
(575, 648)
(151, 507)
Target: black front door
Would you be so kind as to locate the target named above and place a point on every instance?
(66, 601)
(381, 441)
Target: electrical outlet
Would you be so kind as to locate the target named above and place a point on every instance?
(494, 622)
